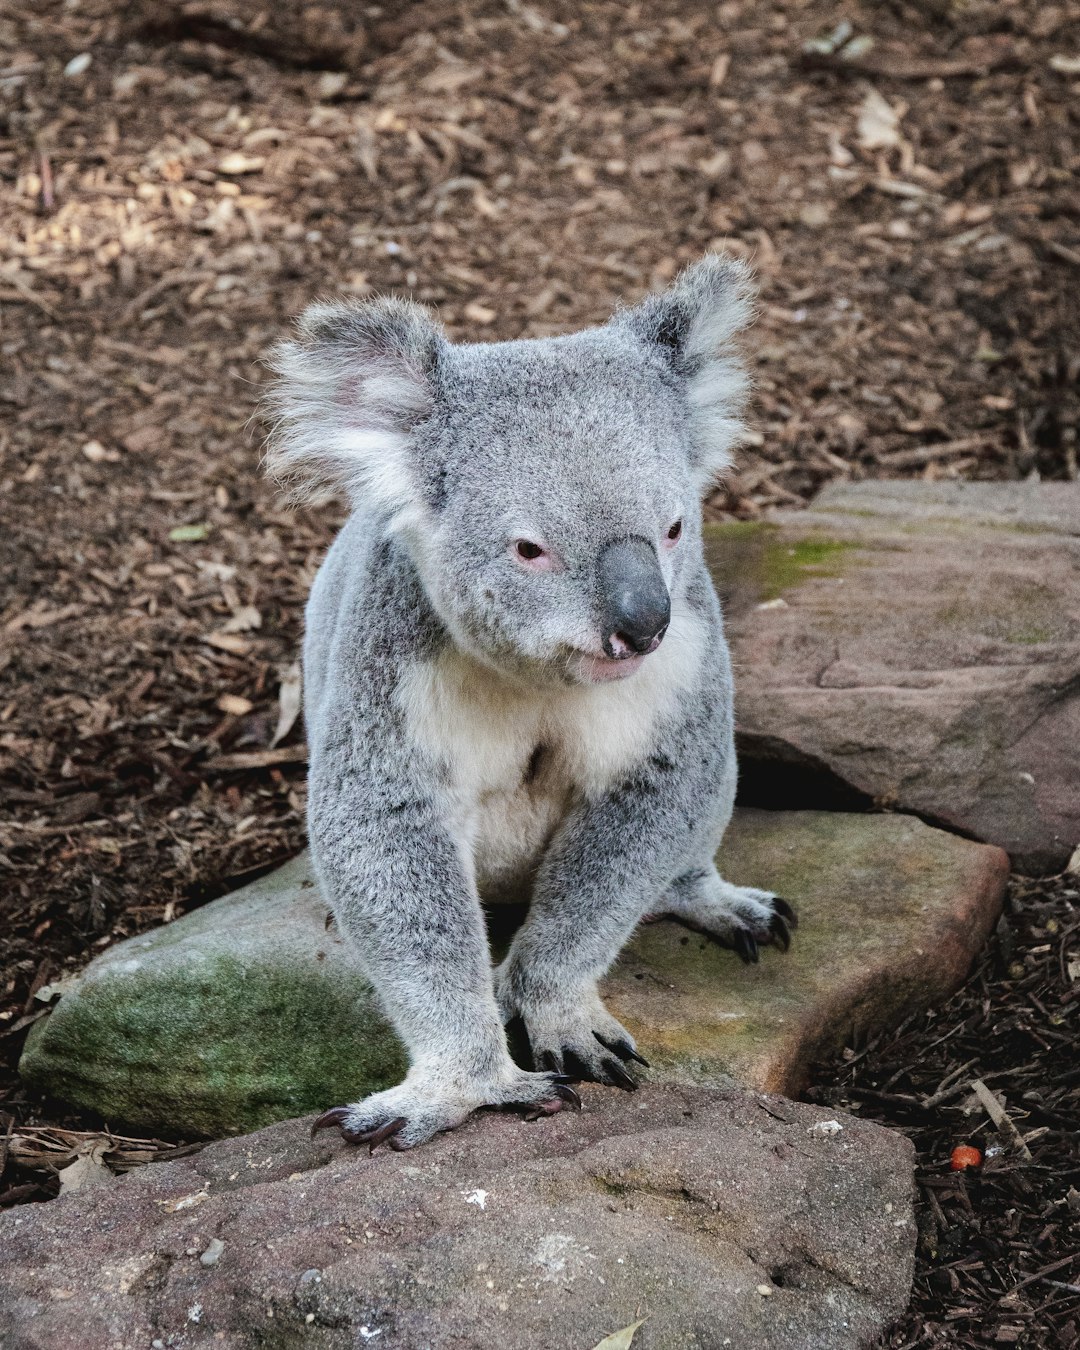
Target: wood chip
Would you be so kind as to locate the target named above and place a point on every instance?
(257, 759)
(995, 1109)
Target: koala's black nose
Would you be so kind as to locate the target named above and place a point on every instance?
(635, 605)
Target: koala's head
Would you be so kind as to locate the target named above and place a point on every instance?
(548, 490)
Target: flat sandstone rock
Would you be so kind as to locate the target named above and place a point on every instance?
(251, 1010)
(718, 1218)
(919, 642)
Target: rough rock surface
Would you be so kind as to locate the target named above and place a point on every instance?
(249, 1010)
(921, 642)
(721, 1219)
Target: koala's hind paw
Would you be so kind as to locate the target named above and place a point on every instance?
(740, 917)
(411, 1114)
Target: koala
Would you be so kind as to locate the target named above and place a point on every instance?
(516, 677)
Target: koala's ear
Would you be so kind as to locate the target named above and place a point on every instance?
(693, 325)
(351, 386)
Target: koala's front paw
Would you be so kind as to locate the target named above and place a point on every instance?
(584, 1041)
(740, 917)
(417, 1109)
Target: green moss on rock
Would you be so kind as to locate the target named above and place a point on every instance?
(755, 560)
(243, 1013)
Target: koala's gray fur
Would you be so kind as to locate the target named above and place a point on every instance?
(461, 746)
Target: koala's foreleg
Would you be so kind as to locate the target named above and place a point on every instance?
(401, 892)
(614, 862)
(608, 865)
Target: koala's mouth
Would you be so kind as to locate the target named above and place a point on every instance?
(602, 669)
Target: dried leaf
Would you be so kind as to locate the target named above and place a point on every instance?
(243, 621)
(55, 989)
(289, 696)
(878, 123)
(227, 642)
(88, 1168)
(479, 313)
(257, 759)
(183, 1202)
(720, 68)
(234, 705)
(620, 1340)
(96, 453)
(240, 163)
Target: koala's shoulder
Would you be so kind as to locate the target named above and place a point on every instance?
(367, 592)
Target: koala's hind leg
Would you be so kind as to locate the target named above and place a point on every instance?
(741, 917)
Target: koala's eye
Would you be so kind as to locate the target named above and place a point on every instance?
(675, 531)
(534, 557)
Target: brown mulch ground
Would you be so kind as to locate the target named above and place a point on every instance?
(999, 1246)
(907, 189)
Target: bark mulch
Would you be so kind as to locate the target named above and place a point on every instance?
(999, 1244)
(178, 179)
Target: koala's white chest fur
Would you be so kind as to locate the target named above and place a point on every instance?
(517, 759)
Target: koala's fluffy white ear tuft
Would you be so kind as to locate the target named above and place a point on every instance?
(350, 388)
(694, 323)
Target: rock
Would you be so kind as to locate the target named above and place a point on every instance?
(244, 1012)
(891, 915)
(920, 644)
(248, 1010)
(718, 1218)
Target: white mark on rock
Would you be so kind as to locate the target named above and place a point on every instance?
(194, 1312)
(561, 1256)
(212, 1255)
(764, 1290)
(825, 1127)
(183, 1202)
(368, 1334)
(477, 1198)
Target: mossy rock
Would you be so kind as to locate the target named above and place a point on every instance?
(247, 1011)
(252, 1010)
(915, 646)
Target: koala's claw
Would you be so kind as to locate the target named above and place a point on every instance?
(780, 933)
(745, 945)
(373, 1138)
(785, 911)
(334, 1116)
(567, 1094)
(623, 1049)
(619, 1076)
(608, 1071)
(380, 1134)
